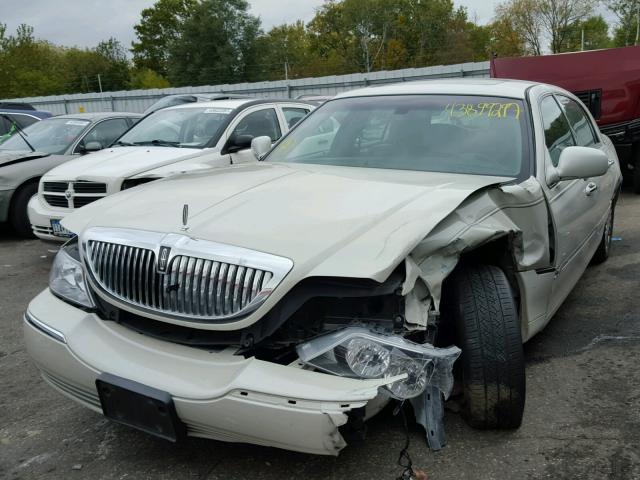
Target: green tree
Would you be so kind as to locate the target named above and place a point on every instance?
(627, 30)
(505, 40)
(537, 20)
(285, 50)
(216, 44)
(145, 78)
(29, 67)
(160, 25)
(116, 65)
(596, 35)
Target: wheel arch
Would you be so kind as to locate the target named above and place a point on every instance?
(25, 183)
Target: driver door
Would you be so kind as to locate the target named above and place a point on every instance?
(255, 123)
(576, 206)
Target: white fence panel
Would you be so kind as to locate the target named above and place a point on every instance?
(139, 100)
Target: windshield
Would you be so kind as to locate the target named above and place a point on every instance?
(435, 133)
(53, 135)
(182, 127)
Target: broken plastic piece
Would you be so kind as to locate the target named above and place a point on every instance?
(429, 411)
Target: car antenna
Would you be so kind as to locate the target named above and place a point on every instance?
(19, 130)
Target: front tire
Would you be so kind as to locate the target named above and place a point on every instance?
(479, 301)
(604, 248)
(18, 216)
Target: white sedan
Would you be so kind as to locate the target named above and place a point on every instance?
(397, 231)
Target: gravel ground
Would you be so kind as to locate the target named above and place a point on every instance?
(582, 419)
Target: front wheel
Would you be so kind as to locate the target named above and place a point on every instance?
(479, 301)
(635, 173)
(18, 214)
(602, 253)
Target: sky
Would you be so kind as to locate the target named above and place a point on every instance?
(84, 23)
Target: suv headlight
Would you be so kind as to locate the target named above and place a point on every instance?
(360, 353)
(66, 279)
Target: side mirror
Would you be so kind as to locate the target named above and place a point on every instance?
(260, 146)
(580, 162)
(92, 147)
(239, 142)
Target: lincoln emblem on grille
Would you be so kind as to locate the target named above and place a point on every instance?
(185, 217)
(163, 261)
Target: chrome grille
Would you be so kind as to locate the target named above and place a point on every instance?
(73, 194)
(193, 286)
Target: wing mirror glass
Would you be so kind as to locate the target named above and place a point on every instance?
(260, 146)
(92, 147)
(580, 162)
(239, 142)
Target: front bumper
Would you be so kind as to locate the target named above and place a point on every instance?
(217, 395)
(40, 217)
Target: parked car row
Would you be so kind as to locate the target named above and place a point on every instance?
(178, 139)
(288, 295)
(179, 133)
(43, 145)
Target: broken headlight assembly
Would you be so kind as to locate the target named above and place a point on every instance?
(357, 352)
(66, 279)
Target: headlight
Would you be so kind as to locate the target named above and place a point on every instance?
(67, 277)
(360, 353)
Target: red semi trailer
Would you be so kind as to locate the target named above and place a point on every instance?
(608, 83)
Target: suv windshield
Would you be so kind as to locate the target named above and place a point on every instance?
(181, 127)
(53, 135)
(437, 133)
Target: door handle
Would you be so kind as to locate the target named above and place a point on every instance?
(590, 188)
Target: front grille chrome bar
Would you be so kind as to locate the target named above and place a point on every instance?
(202, 281)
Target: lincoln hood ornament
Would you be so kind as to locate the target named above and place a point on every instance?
(185, 218)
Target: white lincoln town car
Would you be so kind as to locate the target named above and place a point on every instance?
(399, 241)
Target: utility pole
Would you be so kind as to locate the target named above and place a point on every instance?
(99, 83)
(286, 70)
(582, 41)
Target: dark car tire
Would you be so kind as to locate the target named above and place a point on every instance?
(635, 173)
(479, 301)
(604, 248)
(18, 214)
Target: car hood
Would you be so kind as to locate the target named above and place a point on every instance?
(121, 162)
(336, 221)
(11, 156)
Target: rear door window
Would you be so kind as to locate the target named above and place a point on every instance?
(293, 115)
(260, 123)
(557, 133)
(579, 121)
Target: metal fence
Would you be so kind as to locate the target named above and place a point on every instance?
(139, 100)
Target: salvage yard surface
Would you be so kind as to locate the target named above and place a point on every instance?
(582, 417)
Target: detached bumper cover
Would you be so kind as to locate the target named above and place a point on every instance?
(216, 394)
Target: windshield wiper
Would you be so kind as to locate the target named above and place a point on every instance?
(159, 143)
(124, 144)
(19, 130)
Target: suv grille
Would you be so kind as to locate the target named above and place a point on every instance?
(192, 286)
(73, 194)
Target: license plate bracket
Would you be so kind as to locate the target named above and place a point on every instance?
(139, 406)
(59, 230)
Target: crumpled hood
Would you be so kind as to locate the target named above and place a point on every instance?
(121, 162)
(336, 221)
(10, 156)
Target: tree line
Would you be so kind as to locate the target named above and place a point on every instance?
(200, 42)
